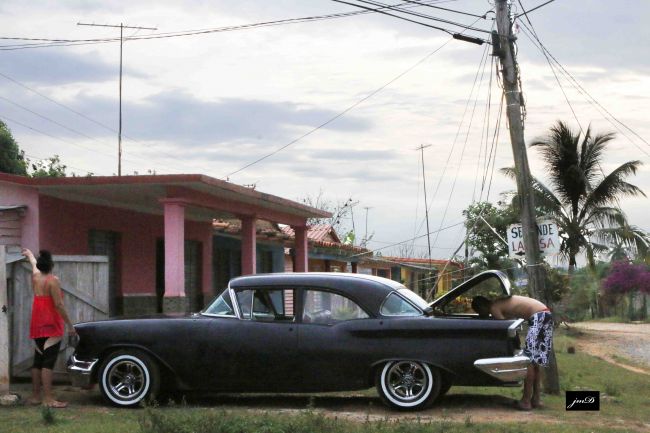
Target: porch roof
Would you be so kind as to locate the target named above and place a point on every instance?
(206, 197)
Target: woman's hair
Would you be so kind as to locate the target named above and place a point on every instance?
(44, 261)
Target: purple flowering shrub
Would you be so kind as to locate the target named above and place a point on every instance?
(626, 278)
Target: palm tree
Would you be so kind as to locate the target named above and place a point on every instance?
(582, 199)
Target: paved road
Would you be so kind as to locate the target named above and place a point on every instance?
(628, 340)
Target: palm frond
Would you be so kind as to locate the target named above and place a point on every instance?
(613, 186)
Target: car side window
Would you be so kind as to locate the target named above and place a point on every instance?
(395, 305)
(267, 304)
(328, 308)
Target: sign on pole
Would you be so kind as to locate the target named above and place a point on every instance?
(549, 239)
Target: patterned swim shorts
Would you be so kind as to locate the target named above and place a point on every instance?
(539, 339)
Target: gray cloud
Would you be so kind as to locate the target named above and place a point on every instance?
(177, 116)
(54, 66)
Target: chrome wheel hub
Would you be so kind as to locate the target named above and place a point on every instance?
(407, 380)
(126, 379)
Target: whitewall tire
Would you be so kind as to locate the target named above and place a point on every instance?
(408, 384)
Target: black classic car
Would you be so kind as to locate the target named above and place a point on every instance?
(308, 332)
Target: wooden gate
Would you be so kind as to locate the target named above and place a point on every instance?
(84, 280)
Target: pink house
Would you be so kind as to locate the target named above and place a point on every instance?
(156, 230)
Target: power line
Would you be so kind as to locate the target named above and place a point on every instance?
(408, 240)
(340, 114)
(380, 11)
(482, 66)
(72, 129)
(53, 136)
(566, 98)
(613, 120)
(90, 119)
(74, 42)
(533, 9)
(420, 15)
(484, 16)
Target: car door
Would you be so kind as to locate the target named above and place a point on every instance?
(267, 339)
(335, 341)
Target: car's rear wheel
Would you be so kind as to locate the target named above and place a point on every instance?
(128, 377)
(408, 385)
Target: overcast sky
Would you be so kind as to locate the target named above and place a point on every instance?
(212, 103)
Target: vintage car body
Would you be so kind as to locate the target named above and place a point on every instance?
(305, 332)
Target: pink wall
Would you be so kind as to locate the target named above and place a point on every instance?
(65, 225)
(17, 195)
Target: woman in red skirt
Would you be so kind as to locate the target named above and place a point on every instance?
(47, 326)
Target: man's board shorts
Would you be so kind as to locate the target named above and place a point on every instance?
(539, 339)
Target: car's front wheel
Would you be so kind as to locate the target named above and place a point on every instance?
(127, 377)
(408, 385)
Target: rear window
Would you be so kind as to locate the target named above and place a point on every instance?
(395, 305)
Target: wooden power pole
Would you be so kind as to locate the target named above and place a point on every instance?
(510, 73)
(513, 97)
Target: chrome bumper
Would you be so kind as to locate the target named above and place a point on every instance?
(506, 369)
(81, 371)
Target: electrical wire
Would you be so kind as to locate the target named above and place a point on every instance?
(557, 79)
(164, 35)
(55, 137)
(340, 114)
(533, 9)
(421, 15)
(613, 120)
(484, 16)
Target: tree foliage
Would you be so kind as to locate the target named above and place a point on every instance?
(52, 167)
(581, 198)
(12, 159)
(490, 251)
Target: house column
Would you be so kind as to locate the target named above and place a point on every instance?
(301, 248)
(174, 300)
(248, 246)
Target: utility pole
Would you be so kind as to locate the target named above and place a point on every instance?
(119, 133)
(503, 47)
(513, 97)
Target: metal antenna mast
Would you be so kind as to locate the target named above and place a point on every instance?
(426, 204)
(119, 134)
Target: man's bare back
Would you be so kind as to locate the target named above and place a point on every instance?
(516, 307)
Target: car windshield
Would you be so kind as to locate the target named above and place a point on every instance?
(414, 298)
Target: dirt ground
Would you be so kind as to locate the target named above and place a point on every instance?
(611, 341)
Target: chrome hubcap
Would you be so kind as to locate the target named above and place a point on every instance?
(407, 380)
(126, 379)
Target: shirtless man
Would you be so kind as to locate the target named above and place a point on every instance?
(539, 338)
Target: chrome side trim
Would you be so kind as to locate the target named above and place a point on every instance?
(506, 369)
(516, 326)
(81, 371)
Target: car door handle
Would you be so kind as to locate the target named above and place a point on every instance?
(291, 329)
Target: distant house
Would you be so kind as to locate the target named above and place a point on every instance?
(419, 275)
(165, 252)
(326, 251)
